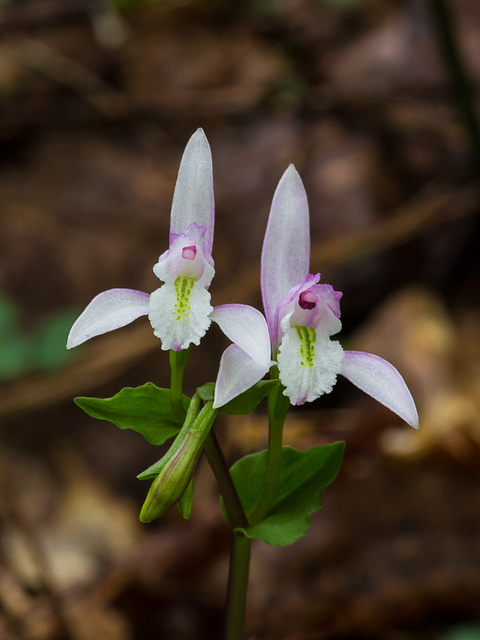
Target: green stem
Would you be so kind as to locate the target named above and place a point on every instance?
(237, 587)
(278, 406)
(240, 556)
(178, 362)
(218, 464)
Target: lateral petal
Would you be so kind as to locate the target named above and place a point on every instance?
(109, 310)
(380, 380)
(246, 327)
(286, 247)
(193, 200)
(237, 373)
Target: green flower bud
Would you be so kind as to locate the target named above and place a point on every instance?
(179, 462)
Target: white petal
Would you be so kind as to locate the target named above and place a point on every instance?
(379, 379)
(193, 200)
(180, 317)
(109, 310)
(286, 247)
(237, 373)
(247, 328)
(308, 368)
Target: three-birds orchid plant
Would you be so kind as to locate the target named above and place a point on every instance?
(269, 495)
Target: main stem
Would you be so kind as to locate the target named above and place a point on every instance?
(237, 587)
(218, 464)
(241, 545)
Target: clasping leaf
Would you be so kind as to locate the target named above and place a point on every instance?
(304, 476)
(146, 410)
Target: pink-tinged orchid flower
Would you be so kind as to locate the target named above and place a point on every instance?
(301, 316)
(179, 311)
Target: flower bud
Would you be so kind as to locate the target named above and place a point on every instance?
(179, 464)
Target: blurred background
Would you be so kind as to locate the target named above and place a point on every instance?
(376, 103)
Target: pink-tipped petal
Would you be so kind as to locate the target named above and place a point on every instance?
(286, 247)
(237, 373)
(109, 310)
(246, 327)
(193, 200)
(379, 379)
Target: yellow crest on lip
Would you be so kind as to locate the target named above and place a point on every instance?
(306, 338)
(183, 289)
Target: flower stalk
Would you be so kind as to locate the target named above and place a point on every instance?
(218, 464)
(178, 363)
(278, 406)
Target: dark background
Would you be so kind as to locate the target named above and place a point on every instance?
(377, 108)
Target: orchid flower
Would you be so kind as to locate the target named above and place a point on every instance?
(179, 311)
(301, 316)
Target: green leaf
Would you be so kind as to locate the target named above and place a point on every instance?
(246, 402)
(206, 391)
(146, 410)
(243, 404)
(304, 476)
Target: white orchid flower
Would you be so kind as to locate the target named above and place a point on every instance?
(179, 311)
(301, 316)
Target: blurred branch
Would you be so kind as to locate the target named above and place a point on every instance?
(427, 210)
